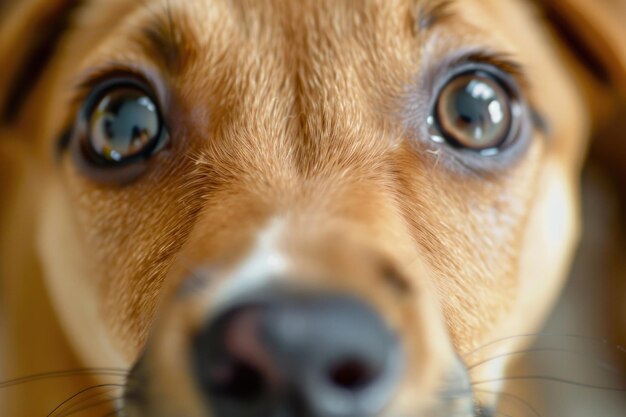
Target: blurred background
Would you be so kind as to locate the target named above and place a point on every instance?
(576, 347)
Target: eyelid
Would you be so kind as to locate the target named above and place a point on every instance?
(84, 83)
(507, 65)
(502, 62)
(95, 94)
(423, 95)
(86, 158)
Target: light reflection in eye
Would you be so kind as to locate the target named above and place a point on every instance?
(495, 110)
(480, 90)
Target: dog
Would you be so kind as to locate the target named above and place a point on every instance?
(324, 208)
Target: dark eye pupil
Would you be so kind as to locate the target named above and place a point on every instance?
(473, 111)
(125, 123)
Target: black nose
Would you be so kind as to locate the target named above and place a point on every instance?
(297, 356)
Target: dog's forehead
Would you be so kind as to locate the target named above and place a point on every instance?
(320, 33)
(296, 14)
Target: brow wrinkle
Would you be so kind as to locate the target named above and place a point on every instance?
(167, 37)
(432, 12)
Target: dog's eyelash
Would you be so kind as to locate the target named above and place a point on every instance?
(502, 61)
(85, 83)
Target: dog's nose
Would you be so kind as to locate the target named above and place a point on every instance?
(298, 356)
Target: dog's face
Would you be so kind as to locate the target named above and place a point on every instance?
(397, 178)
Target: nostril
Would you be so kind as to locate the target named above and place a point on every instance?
(235, 371)
(351, 374)
(237, 380)
(288, 354)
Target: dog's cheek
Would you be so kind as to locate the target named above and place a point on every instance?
(67, 275)
(549, 243)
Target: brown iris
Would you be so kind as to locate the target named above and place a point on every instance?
(475, 111)
(124, 124)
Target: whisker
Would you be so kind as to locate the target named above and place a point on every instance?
(603, 364)
(88, 406)
(62, 374)
(513, 398)
(537, 335)
(71, 407)
(55, 409)
(551, 379)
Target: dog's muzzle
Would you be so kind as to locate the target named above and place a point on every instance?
(256, 340)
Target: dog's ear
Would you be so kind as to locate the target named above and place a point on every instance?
(593, 32)
(30, 31)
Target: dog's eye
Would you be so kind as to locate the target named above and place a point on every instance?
(122, 125)
(475, 110)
